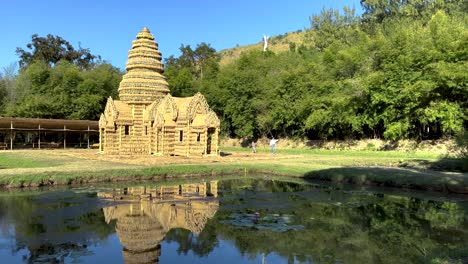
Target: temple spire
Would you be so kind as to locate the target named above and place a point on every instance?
(143, 83)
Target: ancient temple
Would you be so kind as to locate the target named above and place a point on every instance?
(147, 120)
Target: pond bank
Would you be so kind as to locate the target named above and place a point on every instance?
(32, 168)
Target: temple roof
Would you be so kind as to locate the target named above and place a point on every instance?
(143, 83)
(124, 112)
(182, 104)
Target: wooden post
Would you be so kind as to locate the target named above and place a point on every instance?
(99, 138)
(11, 135)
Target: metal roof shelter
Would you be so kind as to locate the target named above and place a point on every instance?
(11, 125)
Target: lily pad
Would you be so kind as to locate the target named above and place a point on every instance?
(272, 222)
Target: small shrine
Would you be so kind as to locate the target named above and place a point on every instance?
(147, 120)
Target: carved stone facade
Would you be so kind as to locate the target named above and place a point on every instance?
(147, 120)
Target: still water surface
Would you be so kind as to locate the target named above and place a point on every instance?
(243, 220)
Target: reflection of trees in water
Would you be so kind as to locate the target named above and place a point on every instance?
(254, 184)
(150, 213)
(340, 226)
(347, 227)
(52, 226)
(201, 245)
(57, 225)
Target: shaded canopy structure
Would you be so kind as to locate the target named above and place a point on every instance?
(37, 133)
(147, 120)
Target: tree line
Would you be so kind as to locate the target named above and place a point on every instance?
(55, 80)
(397, 71)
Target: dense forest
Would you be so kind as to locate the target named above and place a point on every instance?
(397, 71)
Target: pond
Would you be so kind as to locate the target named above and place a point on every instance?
(232, 220)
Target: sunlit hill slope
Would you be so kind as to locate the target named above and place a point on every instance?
(276, 44)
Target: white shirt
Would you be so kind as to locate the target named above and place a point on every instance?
(273, 142)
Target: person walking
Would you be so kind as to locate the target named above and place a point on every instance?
(273, 145)
(254, 147)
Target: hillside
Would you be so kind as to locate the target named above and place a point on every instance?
(277, 43)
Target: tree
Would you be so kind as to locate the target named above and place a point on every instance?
(186, 73)
(52, 49)
(376, 11)
(332, 27)
(58, 81)
(202, 54)
(195, 60)
(64, 91)
(3, 95)
(8, 79)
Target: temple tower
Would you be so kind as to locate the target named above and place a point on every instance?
(143, 83)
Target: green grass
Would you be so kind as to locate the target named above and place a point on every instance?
(355, 153)
(14, 160)
(131, 174)
(382, 168)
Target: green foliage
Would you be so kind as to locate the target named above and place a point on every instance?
(331, 27)
(185, 73)
(181, 81)
(358, 227)
(399, 71)
(396, 130)
(63, 91)
(57, 81)
(8, 80)
(381, 10)
(53, 49)
(3, 95)
(461, 147)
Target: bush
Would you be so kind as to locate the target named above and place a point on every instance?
(461, 148)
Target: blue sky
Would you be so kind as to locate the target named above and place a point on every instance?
(107, 27)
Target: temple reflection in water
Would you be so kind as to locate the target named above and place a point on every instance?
(148, 213)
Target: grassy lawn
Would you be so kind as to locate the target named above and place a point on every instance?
(356, 153)
(12, 160)
(385, 168)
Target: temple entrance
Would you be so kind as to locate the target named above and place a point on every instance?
(209, 139)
